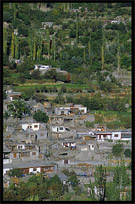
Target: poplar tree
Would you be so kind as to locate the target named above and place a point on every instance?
(84, 55)
(48, 40)
(118, 52)
(16, 47)
(102, 57)
(34, 48)
(54, 49)
(102, 51)
(77, 31)
(4, 41)
(13, 46)
(100, 181)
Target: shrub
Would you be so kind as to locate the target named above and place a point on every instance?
(41, 116)
(127, 153)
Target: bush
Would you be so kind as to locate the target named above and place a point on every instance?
(127, 153)
(41, 116)
(117, 149)
(36, 74)
(7, 17)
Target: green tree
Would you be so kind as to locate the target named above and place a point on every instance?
(100, 181)
(41, 116)
(127, 153)
(5, 36)
(13, 46)
(18, 109)
(36, 74)
(15, 172)
(117, 150)
(74, 181)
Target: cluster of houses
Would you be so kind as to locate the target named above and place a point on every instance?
(36, 147)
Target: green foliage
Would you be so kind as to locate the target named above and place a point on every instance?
(100, 181)
(27, 93)
(18, 109)
(41, 116)
(36, 74)
(15, 172)
(7, 16)
(117, 150)
(74, 181)
(4, 95)
(127, 153)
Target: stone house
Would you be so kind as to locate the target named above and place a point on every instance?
(24, 152)
(13, 96)
(103, 135)
(33, 126)
(127, 136)
(31, 167)
(7, 158)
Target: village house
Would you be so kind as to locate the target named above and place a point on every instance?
(126, 136)
(82, 134)
(11, 96)
(33, 126)
(74, 109)
(42, 67)
(7, 158)
(69, 143)
(47, 24)
(23, 152)
(31, 167)
(103, 135)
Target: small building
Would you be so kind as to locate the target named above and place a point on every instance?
(6, 155)
(70, 144)
(127, 136)
(59, 129)
(31, 167)
(42, 67)
(47, 24)
(103, 135)
(13, 95)
(33, 126)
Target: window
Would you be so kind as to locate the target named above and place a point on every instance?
(116, 135)
(34, 169)
(126, 136)
(25, 154)
(35, 126)
(33, 153)
(61, 128)
(30, 126)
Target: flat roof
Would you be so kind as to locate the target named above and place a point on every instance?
(28, 164)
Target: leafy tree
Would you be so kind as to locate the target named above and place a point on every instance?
(4, 95)
(41, 116)
(7, 16)
(74, 181)
(15, 172)
(18, 109)
(100, 181)
(13, 46)
(117, 150)
(36, 74)
(127, 153)
(27, 93)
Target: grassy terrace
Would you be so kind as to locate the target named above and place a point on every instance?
(50, 84)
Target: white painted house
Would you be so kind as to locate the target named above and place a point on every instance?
(42, 67)
(59, 129)
(32, 126)
(121, 136)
